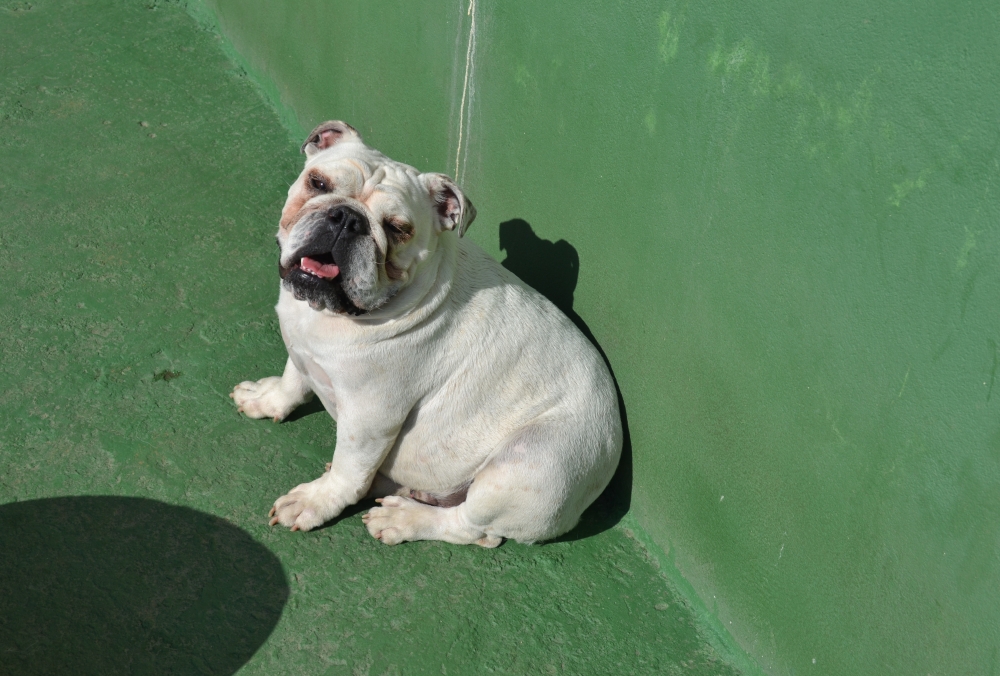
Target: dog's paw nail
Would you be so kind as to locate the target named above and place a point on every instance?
(273, 510)
(273, 521)
(277, 419)
(295, 527)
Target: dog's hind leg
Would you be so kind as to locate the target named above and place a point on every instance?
(401, 519)
(534, 489)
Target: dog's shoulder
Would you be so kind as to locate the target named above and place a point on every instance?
(487, 293)
(479, 279)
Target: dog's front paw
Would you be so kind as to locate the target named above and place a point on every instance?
(264, 399)
(398, 520)
(305, 507)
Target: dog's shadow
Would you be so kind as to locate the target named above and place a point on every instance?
(552, 269)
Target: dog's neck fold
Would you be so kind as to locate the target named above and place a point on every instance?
(418, 301)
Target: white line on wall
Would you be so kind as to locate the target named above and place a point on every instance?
(470, 55)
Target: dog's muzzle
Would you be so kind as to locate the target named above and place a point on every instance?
(332, 235)
(317, 267)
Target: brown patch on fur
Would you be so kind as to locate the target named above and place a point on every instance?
(397, 232)
(318, 183)
(442, 500)
(400, 231)
(290, 212)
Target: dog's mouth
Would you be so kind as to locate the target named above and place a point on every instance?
(321, 266)
(316, 278)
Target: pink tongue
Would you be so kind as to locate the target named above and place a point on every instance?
(319, 269)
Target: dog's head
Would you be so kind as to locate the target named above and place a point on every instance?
(357, 225)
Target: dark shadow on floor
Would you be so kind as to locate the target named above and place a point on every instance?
(362, 505)
(112, 585)
(314, 405)
(552, 269)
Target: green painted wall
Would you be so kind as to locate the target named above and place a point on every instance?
(787, 221)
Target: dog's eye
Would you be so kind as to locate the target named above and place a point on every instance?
(319, 184)
(397, 228)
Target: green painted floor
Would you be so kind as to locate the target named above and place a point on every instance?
(141, 176)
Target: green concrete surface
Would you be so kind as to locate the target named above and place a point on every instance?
(787, 225)
(141, 177)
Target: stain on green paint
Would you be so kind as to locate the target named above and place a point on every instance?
(556, 64)
(669, 29)
(900, 191)
(791, 78)
(967, 247)
(742, 61)
(730, 61)
(742, 68)
(844, 117)
(19, 7)
(967, 290)
(650, 122)
(760, 79)
(524, 78)
(887, 132)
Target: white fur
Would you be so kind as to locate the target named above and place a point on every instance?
(466, 374)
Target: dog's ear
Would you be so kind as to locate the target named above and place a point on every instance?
(452, 209)
(328, 134)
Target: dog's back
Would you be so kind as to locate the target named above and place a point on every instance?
(521, 395)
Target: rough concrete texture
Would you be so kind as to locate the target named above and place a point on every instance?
(141, 175)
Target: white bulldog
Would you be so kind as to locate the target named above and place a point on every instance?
(465, 402)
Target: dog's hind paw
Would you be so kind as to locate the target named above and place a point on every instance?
(399, 519)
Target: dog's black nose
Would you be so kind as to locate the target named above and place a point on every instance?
(346, 218)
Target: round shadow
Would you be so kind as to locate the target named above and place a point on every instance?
(109, 585)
